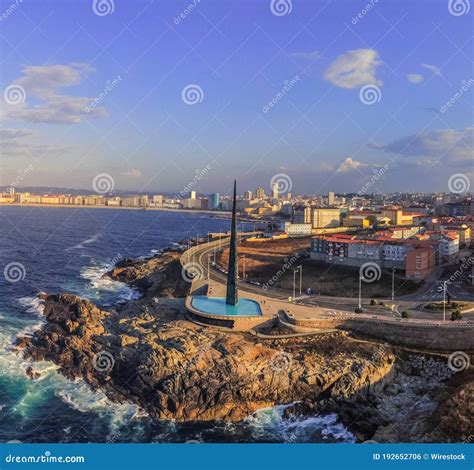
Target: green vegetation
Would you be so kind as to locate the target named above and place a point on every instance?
(456, 315)
(450, 306)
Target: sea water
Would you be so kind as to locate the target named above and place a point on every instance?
(68, 250)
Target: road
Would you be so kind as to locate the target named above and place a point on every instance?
(413, 304)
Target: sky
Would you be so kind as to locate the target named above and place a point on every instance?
(325, 95)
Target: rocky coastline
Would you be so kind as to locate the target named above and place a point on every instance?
(149, 353)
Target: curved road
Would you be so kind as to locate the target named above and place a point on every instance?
(412, 304)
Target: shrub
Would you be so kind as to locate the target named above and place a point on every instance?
(456, 315)
(405, 314)
(382, 304)
(373, 302)
(359, 310)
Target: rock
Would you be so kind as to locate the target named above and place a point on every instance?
(177, 370)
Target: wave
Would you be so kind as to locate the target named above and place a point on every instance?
(32, 304)
(270, 424)
(95, 276)
(83, 244)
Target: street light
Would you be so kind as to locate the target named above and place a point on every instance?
(360, 291)
(393, 283)
(444, 300)
(300, 270)
(301, 276)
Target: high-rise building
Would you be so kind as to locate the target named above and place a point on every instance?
(214, 201)
(331, 199)
(275, 190)
(260, 193)
(192, 195)
(248, 195)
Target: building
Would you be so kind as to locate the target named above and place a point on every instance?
(297, 230)
(275, 190)
(322, 218)
(302, 215)
(260, 193)
(331, 198)
(157, 200)
(420, 262)
(348, 250)
(214, 201)
(192, 195)
(191, 203)
(248, 195)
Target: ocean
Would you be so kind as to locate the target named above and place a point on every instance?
(67, 250)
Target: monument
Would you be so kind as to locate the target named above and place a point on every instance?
(232, 296)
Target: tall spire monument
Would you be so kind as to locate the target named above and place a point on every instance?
(232, 296)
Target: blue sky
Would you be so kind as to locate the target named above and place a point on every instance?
(413, 55)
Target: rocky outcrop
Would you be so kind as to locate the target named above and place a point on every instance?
(175, 369)
(159, 276)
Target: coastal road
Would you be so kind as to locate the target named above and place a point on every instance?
(204, 254)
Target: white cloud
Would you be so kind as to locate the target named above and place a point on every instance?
(415, 78)
(349, 164)
(432, 68)
(43, 83)
(18, 143)
(133, 172)
(354, 69)
(448, 145)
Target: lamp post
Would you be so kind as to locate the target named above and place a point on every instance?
(393, 283)
(294, 284)
(360, 291)
(444, 300)
(300, 267)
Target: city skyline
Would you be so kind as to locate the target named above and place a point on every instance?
(153, 94)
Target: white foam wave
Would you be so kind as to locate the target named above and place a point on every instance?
(32, 305)
(83, 244)
(95, 276)
(269, 423)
